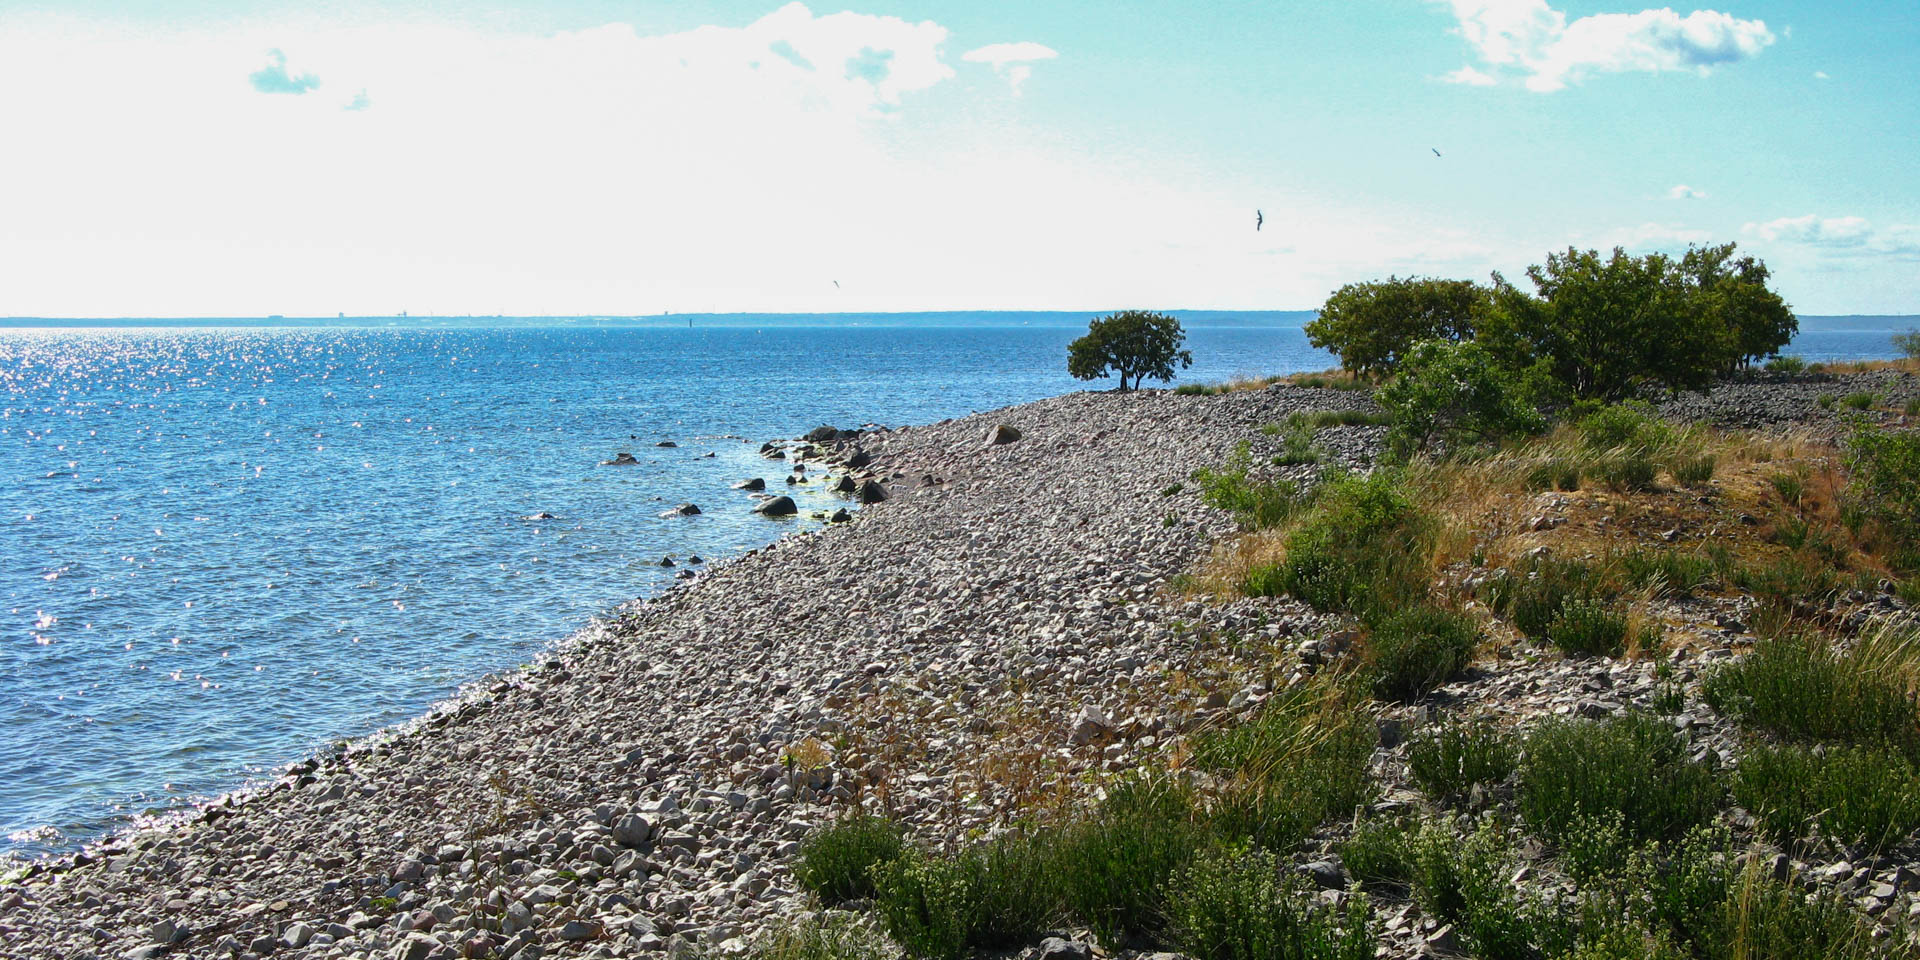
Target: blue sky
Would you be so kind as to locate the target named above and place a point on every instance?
(226, 158)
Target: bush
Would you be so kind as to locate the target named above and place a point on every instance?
(1297, 444)
(1257, 504)
(1379, 853)
(1864, 400)
(926, 902)
(1824, 401)
(1136, 344)
(1195, 390)
(1234, 905)
(1625, 472)
(1449, 760)
(1414, 649)
(1632, 425)
(833, 936)
(1016, 896)
(1301, 761)
(1908, 343)
(1857, 795)
(1371, 326)
(1763, 919)
(1884, 479)
(1456, 395)
(1694, 471)
(1588, 627)
(1358, 547)
(835, 861)
(1800, 686)
(1632, 765)
(1321, 419)
(1113, 867)
(1533, 599)
(1465, 881)
(1787, 365)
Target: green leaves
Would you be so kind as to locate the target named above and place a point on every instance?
(1373, 325)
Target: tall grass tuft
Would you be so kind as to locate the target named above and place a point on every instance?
(1113, 868)
(1632, 765)
(1411, 650)
(1235, 905)
(832, 936)
(1867, 796)
(836, 861)
(1300, 762)
(1449, 760)
(1801, 686)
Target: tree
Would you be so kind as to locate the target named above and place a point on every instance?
(1132, 343)
(1371, 325)
(1732, 294)
(1457, 395)
(1908, 343)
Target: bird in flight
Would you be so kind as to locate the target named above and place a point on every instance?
(836, 284)
(1258, 219)
(1436, 151)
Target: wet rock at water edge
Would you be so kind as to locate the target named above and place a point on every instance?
(777, 507)
(844, 485)
(754, 484)
(840, 516)
(621, 459)
(683, 510)
(666, 443)
(858, 459)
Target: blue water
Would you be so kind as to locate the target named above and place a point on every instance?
(223, 543)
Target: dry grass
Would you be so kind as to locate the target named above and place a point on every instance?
(1904, 365)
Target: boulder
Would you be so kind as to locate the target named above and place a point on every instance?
(666, 561)
(666, 443)
(621, 459)
(777, 507)
(844, 485)
(870, 491)
(632, 830)
(857, 459)
(1002, 433)
(754, 484)
(840, 516)
(822, 434)
(684, 510)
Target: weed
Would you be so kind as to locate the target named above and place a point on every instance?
(1766, 919)
(1357, 547)
(1912, 409)
(1195, 390)
(1631, 764)
(1297, 445)
(926, 902)
(1347, 418)
(1236, 905)
(1667, 572)
(1857, 795)
(1414, 649)
(1379, 853)
(1799, 685)
(1015, 892)
(1257, 504)
(1885, 479)
(1300, 761)
(1788, 486)
(1533, 599)
(1824, 401)
(1694, 471)
(835, 861)
(1172, 488)
(1632, 426)
(1464, 880)
(384, 904)
(1449, 760)
(1625, 472)
(1113, 867)
(1588, 627)
(1863, 400)
(831, 936)
(1786, 365)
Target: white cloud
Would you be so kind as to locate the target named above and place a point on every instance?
(1011, 60)
(1684, 192)
(1840, 236)
(1471, 77)
(1537, 44)
(1821, 75)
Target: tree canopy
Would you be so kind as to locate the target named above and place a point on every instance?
(1372, 325)
(1133, 343)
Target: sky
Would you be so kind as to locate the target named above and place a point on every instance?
(573, 157)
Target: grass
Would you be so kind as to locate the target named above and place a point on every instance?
(1231, 904)
(1589, 627)
(1113, 868)
(1800, 686)
(1258, 505)
(836, 861)
(1358, 546)
(1866, 796)
(1378, 853)
(926, 902)
(1301, 761)
(1015, 889)
(1864, 400)
(1465, 880)
(1666, 572)
(1632, 765)
(1534, 597)
(1448, 760)
(1415, 649)
(1788, 365)
(831, 936)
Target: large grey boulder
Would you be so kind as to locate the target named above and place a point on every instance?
(777, 507)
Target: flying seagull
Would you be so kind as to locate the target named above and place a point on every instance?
(836, 284)
(1258, 219)
(1436, 151)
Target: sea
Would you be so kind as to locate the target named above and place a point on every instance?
(225, 543)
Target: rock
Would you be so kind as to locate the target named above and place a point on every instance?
(857, 459)
(296, 935)
(822, 434)
(1325, 874)
(416, 946)
(754, 484)
(870, 491)
(576, 930)
(777, 507)
(666, 443)
(791, 480)
(163, 932)
(683, 510)
(1002, 434)
(633, 830)
(666, 561)
(844, 484)
(1055, 948)
(840, 516)
(621, 459)
(1088, 724)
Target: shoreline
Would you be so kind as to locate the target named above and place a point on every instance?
(628, 787)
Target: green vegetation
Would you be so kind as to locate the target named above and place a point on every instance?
(1866, 796)
(1588, 627)
(1466, 880)
(836, 861)
(1136, 344)
(1864, 400)
(1379, 854)
(1633, 765)
(1353, 549)
(832, 936)
(1454, 394)
(1230, 904)
(1787, 365)
(1800, 686)
(1112, 869)
(1447, 761)
(1371, 326)
(1258, 506)
(1884, 467)
(926, 902)
(1299, 762)
(1416, 648)
(1908, 343)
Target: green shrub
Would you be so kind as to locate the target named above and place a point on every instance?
(1788, 486)
(835, 861)
(1556, 474)
(1466, 881)
(831, 936)
(1864, 400)
(1532, 599)
(1412, 650)
(1631, 425)
(1588, 627)
(1912, 409)
(1455, 394)
(1379, 853)
(1195, 390)
(1016, 895)
(1787, 365)
(1448, 760)
(1357, 547)
(1625, 472)
(926, 902)
(1764, 919)
(1908, 343)
(1258, 505)
(1883, 469)
(1299, 762)
(1824, 401)
(1790, 580)
(1670, 573)
(1694, 471)
(1234, 905)
(1858, 795)
(1800, 686)
(1113, 868)
(1297, 445)
(1633, 765)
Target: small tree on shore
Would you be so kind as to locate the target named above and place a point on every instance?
(1371, 326)
(1133, 343)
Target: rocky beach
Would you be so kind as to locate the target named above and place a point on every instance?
(997, 630)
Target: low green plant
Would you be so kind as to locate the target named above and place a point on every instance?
(1379, 853)
(1883, 468)
(830, 936)
(1556, 474)
(1786, 365)
(1532, 596)
(1465, 880)
(1297, 446)
(1359, 546)
(1800, 686)
(1633, 765)
(1347, 418)
(1866, 796)
(926, 902)
(1016, 893)
(1257, 504)
(1864, 400)
(1788, 486)
(1113, 867)
(1624, 472)
(1195, 390)
(836, 861)
(1588, 627)
(1912, 408)
(1411, 650)
(1632, 426)
(1448, 760)
(1669, 572)
(1301, 761)
(1234, 904)
(1824, 401)
(384, 904)
(1766, 919)
(1695, 471)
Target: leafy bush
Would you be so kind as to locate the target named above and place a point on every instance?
(1297, 444)
(1533, 598)
(1016, 896)
(1884, 479)
(1908, 343)
(1824, 401)
(1356, 548)
(1448, 760)
(1234, 905)
(1456, 395)
(1113, 868)
(1379, 853)
(1299, 762)
(1858, 795)
(1464, 880)
(1864, 400)
(835, 861)
(1136, 344)
(1257, 504)
(926, 902)
(1787, 365)
(1800, 686)
(1588, 627)
(1195, 390)
(1412, 650)
(1633, 765)
(832, 936)
(1372, 326)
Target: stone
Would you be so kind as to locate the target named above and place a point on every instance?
(755, 483)
(822, 434)
(857, 459)
(777, 507)
(163, 932)
(666, 443)
(870, 491)
(296, 935)
(1002, 434)
(845, 484)
(1056, 948)
(576, 930)
(840, 516)
(415, 946)
(633, 830)
(621, 459)
(1089, 724)
(1325, 874)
